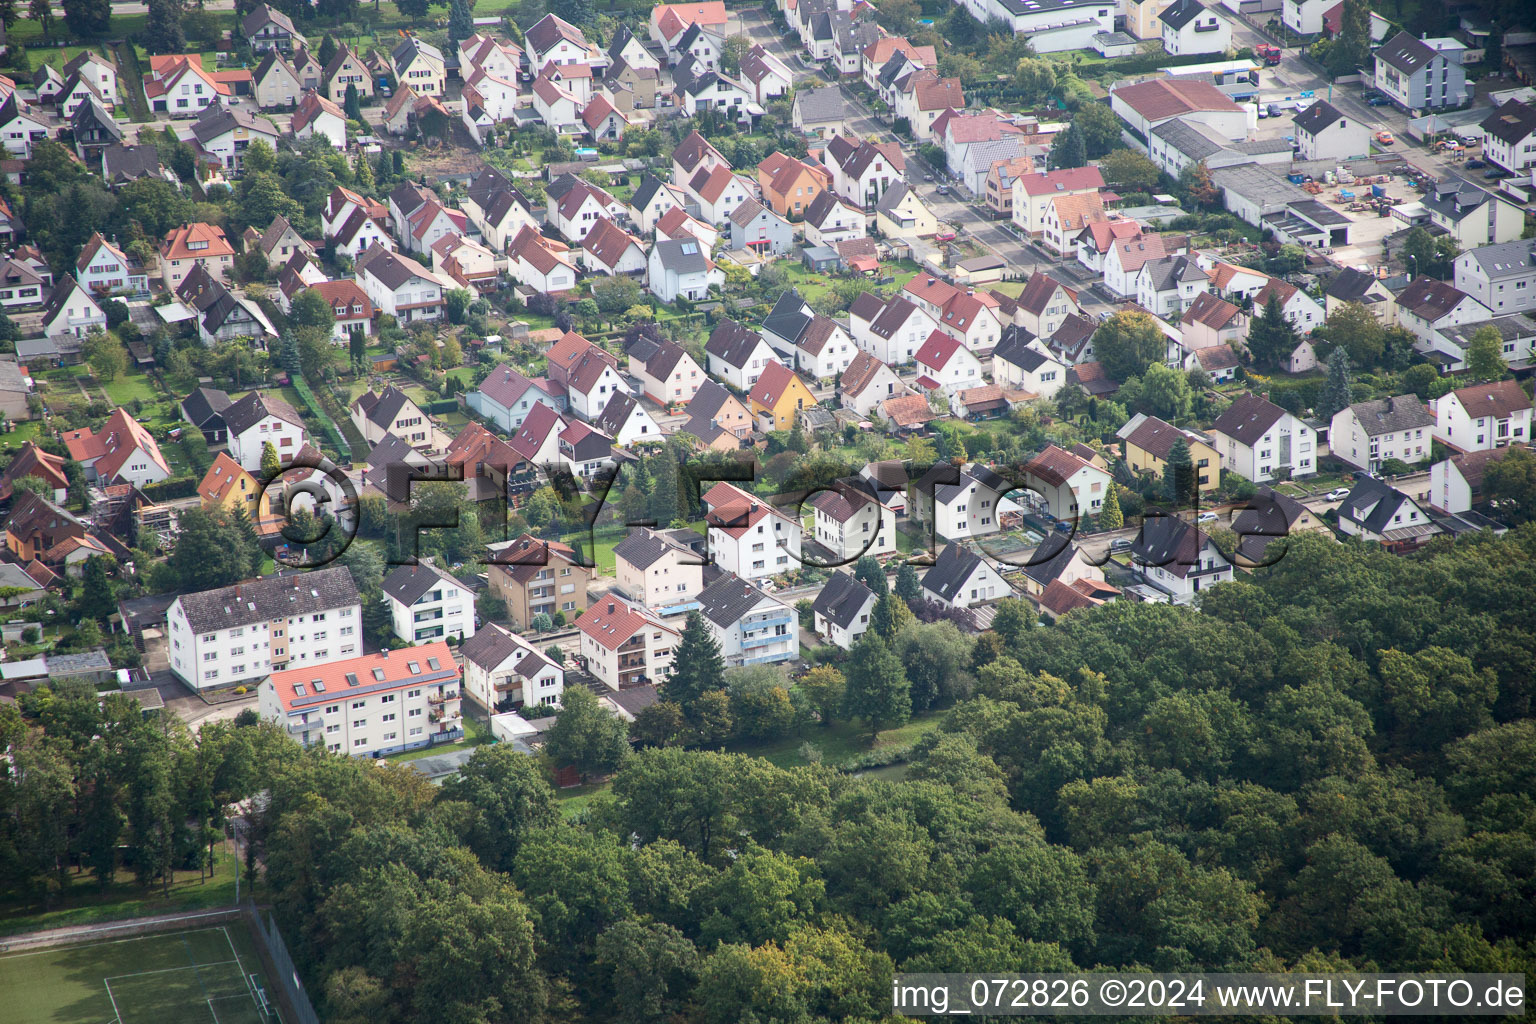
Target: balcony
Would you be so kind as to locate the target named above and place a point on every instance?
(749, 643)
(299, 728)
(442, 698)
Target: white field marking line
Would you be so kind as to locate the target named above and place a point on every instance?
(117, 1016)
(103, 942)
(213, 1011)
(167, 970)
(236, 954)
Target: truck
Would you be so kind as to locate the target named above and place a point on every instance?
(1268, 53)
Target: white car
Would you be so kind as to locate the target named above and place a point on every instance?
(1207, 517)
(1337, 494)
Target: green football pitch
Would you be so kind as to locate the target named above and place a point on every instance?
(206, 976)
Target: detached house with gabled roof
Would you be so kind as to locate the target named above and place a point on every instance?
(758, 229)
(850, 520)
(748, 536)
(122, 451)
(400, 286)
(589, 374)
(193, 245)
(862, 171)
(842, 609)
(1428, 306)
(1177, 559)
(751, 627)
(652, 199)
(393, 412)
(901, 213)
(1421, 74)
(1210, 321)
(502, 671)
(317, 115)
(425, 603)
(267, 28)
(1260, 441)
(420, 66)
(1367, 434)
(575, 206)
(259, 419)
(1146, 442)
(540, 263)
(778, 397)
(891, 331)
(692, 155)
(789, 186)
(767, 75)
(831, 219)
(1377, 511)
(1189, 27)
(718, 192)
(346, 69)
(717, 418)
(609, 249)
(553, 40)
(1023, 362)
(1509, 136)
(667, 374)
(1070, 485)
(866, 383)
(225, 134)
(944, 364)
(506, 396)
(624, 644)
(1483, 416)
(1456, 483)
(70, 312)
(1323, 132)
(19, 129)
(679, 269)
(498, 209)
(961, 579)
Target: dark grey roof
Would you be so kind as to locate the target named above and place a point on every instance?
(408, 582)
(409, 47)
(684, 256)
(621, 39)
(649, 186)
(270, 597)
(205, 405)
(1317, 117)
(733, 343)
(92, 115)
(1050, 559)
(708, 400)
(217, 119)
(1506, 259)
(255, 406)
(729, 599)
(1512, 123)
(1349, 285)
(1169, 543)
(1406, 53)
(1170, 271)
(129, 163)
(1455, 199)
(382, 409)
(951, 569)
(1248, 418)
(643, 547)
(1269, 515)
(790, 316)
(1389, 415)
(892, 197)
(818, 105)
(1014, 348)
(1371, 504)
(616, 413)
(841, 600)
(1181, 13)
(391, 451)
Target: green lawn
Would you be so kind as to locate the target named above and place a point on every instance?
(136, 385)
(841, 741)
(574, 799)
(475, 733)
(83, 903)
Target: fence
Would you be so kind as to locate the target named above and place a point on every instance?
(287, 975)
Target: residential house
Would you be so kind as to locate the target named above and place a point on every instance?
(1178, 559)
(758, 229)
(1421, 74)
(502, 671)
(609, 249)
(1065, 219)
(260, 419)
(1146, 441)
(317, 115)
(1428, 306)
(959, 503)
(426, 604)
(1268, 516)
(400, 286)
(1501, 277)
(540, 263)
(681, 270)
(1483, 416)
(945, 364)
(20, 130)
(1167, 286)
(558, 107)
(624, 644)
(538, 577)
(768, 76)
(1260, 441)
(891, 331)
(819, 111)
(603, 120)
(747, 536)
(194, 245)
(718, 192)
(575, 207)
(679, 226)
(692, 155)
(866, 383)
(824, 349)
(244, 633)
(750, 627)
(667, 374)
(831, 219)
(1471, 215)
(961, 579)
(121, 451)
(537, 441)
(1210, 322)
(1509, 137)
(1071, 486)
(347, 70)
(430, 222)
(1126, 257)
(1456, 483)
(922, 97)
(204, 409)
(1098, 237)
(633, 86)
(497, 209)
(40, 533)
(1057, 560)
(1189, 27)
(1304, 17)
(850, 520)
(652, 199)
(589, 375)
(90, 66)
(842, 609)
(789, 187)
(228, 486)
(627, 422)
(505, 398)
(393, 412)
(552, 40)
(21, 285)
(1323, 132)
(1044, 305)
(659, 568)
(70, 312)
(466, 263)
(901, 213)
(1367, 434)
(1377, 511)
(225, 133)
(32, 461)
(1023, 362)
(267, 28)
(94, 129)
(863, 171)
(777, 397)
(1351, 285)
(419, 66)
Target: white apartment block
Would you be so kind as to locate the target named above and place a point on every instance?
(238, 635)
(427, 604)
(372, 705)
(502, 670)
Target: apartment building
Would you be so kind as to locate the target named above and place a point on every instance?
(537, 577)
(425, 603)
(623, 644)
(372, 705)
(751, 627)
(503, 671)
(240, 634)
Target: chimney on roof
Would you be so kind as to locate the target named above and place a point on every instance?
(612, 608)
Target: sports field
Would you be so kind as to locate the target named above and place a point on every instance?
(206, 976)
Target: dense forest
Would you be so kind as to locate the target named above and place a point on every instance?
(1330, 765)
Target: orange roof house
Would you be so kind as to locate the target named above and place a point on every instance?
(228, 486)
(789, 185)
(778, 396)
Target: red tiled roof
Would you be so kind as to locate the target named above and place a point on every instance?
(395, 666)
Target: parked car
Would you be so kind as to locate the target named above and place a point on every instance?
(1385, 138)
(1377, 101)
(927, 177)
(1207, 517)
(1120, 545)
(942, 190)
(944, 236)
(1473, 165)
(1495, 172)
(1337, 494)
(1064, 527)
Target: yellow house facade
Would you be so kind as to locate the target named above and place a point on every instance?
(1147, 444)
(901, 214)
(777, 397)
(228, 486)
